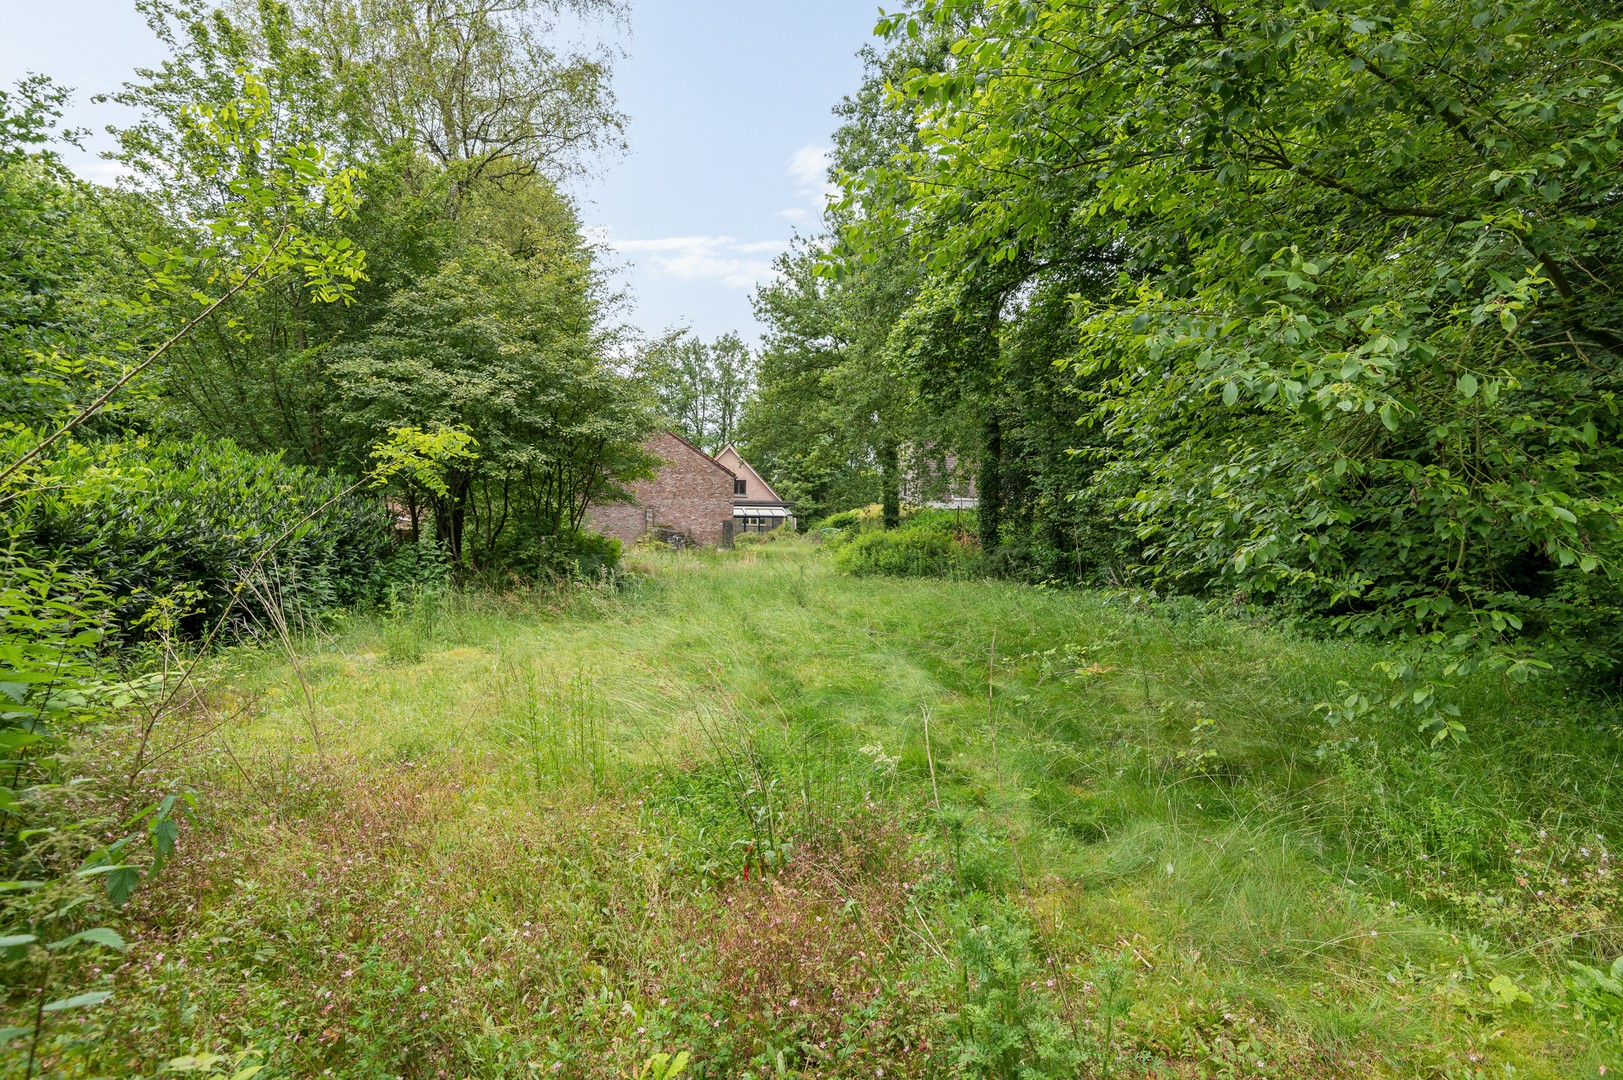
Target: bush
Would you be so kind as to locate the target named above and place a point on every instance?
(850, 522)
(582, 555)
(573, 555)
(846, 521)
(186, 519)
(910, 552)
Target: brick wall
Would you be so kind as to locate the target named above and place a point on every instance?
(692, 495)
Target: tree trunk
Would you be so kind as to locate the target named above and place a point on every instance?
(451, 517)
(890, 481)
(989, 483)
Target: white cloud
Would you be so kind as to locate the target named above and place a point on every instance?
(738, 264)
(101, 171)
(809, 167)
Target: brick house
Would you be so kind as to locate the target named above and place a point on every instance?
(694, 499)
(756, 507)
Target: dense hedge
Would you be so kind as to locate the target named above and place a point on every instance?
(151, 520)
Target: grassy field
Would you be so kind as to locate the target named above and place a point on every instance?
(797, 823)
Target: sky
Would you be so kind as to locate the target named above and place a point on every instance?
(730, 105)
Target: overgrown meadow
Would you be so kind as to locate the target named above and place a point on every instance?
(791, 822)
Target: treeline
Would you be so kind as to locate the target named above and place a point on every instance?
(348, 218)
(1300, 303)
(333, 338)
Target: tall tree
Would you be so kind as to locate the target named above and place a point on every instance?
(1363, 346)
(827, 359)
(507, 350)
(702, 388)
(476, 86)
(456, 119)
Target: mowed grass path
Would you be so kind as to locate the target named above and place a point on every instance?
(776, 817)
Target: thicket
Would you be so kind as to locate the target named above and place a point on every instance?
(1305, 305)
(337, 288)
(179, 522)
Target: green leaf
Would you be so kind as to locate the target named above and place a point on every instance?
(100, 935)
(1468, 385)
(78, 1002)
(1504, 988)
(12, 940)
(121, 884)
(1231, 393)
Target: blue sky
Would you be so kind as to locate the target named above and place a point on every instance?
(730, 113)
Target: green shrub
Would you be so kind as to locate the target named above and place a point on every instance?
(846, 521)
(929, 543)
(572, 555)
(154, 520)
(583, 555)
(906, 552)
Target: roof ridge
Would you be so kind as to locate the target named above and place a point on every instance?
(702, 454)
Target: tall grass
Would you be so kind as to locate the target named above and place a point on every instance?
(801, 823)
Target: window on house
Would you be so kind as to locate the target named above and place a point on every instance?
(738, 486)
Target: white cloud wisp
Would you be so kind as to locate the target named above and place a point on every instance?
(737, 264)
(808, 168)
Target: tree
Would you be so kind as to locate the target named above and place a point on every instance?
(505, 349)
(475, 86)
(1361, 352)
(56, 336)
(373, 83)
(827, 372)
(702, 389)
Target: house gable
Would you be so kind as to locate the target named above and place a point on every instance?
(755, 488)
